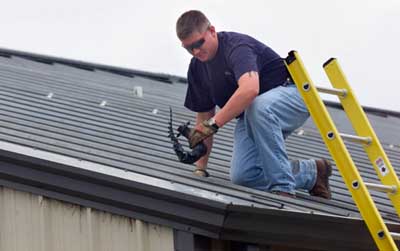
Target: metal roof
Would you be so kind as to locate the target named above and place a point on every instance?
(89, 117)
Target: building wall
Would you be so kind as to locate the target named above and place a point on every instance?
(35, 223)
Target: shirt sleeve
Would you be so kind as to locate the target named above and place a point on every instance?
(198, 97)
(242, 59)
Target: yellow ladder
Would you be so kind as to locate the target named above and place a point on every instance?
(334, 142)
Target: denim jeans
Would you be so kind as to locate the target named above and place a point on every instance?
(259, 156)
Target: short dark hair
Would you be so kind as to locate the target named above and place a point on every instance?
(189, 22)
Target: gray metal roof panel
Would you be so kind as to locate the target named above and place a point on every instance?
(128, 133)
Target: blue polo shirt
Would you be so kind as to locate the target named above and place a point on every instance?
(212, 83)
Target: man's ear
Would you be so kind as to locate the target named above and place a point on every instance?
(212, 30)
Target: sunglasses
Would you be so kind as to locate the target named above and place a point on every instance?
(195, 45)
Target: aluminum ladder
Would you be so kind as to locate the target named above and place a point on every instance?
(334, 141)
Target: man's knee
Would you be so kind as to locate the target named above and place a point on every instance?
(247, 177)
(237, 175)
(238, 179)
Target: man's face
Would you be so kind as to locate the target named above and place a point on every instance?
(202, 45)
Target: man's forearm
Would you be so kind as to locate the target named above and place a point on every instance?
(234, 107)
(240, 100)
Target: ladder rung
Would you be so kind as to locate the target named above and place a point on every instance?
(381, 188)
(395, 236)
(357, 139)
(334, 91)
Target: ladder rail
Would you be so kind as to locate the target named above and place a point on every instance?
(362, 126)
(339, 152)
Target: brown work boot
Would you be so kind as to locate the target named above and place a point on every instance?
(321, 187)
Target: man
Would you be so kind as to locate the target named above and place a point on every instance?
(250, 82)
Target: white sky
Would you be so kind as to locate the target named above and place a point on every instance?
(363, 34)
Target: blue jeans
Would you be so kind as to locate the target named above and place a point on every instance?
(259, 156)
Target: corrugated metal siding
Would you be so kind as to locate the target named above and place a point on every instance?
(126, 134)
(33, 223)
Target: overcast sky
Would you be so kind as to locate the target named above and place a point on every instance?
(363, 34)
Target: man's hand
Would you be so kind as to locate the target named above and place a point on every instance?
(201, 132)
